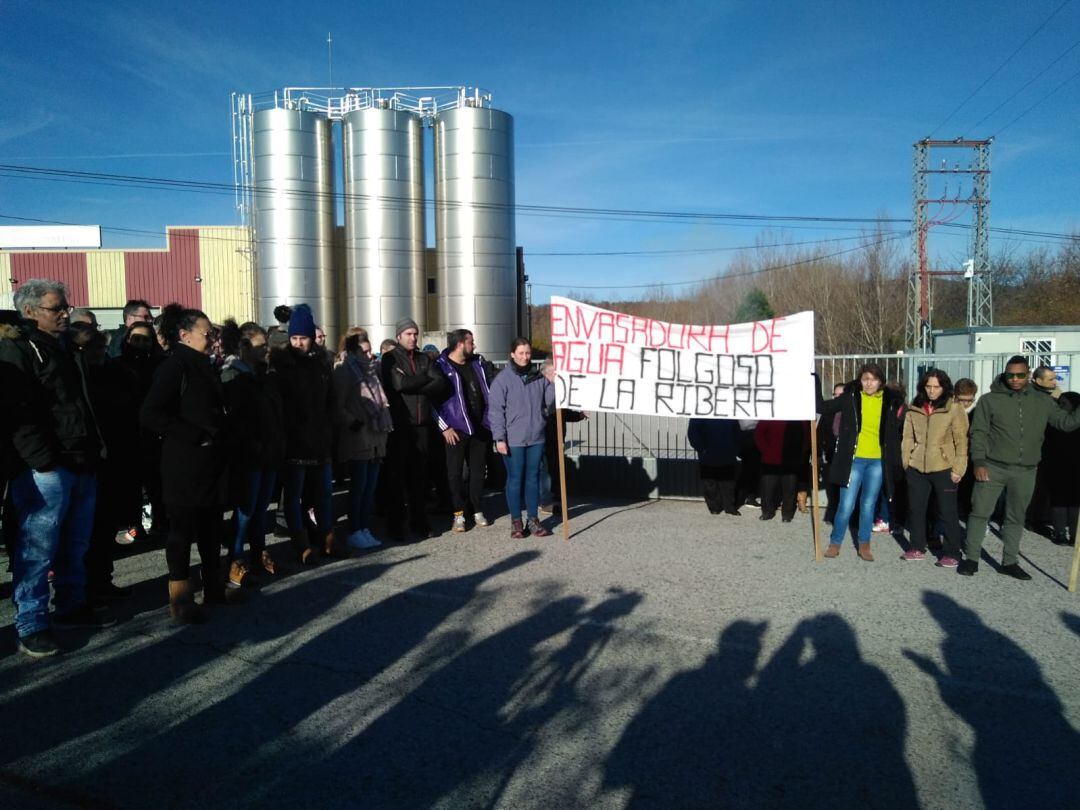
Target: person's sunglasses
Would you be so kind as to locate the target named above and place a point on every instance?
(1016, 375)
(57, 309)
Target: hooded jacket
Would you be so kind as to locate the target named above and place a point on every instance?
(519, 406)
(54, 422)
(453, 412)
(256, 420)
(1008, 426)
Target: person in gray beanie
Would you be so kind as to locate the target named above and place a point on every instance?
(411, 382)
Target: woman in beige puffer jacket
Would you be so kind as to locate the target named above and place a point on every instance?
(934, 453)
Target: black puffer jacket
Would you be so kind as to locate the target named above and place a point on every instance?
(849, 406)
(412, 381)
(307, 395)
(186, 408)
(54, 423)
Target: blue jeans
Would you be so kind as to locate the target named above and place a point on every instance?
(250, 512)
(363, 476)
(322, 482)
(55, 514)
(866, 474)
(523, 469)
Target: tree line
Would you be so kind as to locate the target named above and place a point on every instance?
(859, 298)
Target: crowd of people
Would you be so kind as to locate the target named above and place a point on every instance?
(927, 466)
(206, 426)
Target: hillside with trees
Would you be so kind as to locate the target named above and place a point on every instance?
(859, 297)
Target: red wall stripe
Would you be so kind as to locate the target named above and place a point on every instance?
(68, 267)
(163, 277)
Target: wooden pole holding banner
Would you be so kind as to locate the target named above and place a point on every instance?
(1075, 566)
(814, 508)
(562, 476)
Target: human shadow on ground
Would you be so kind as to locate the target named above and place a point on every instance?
(819, 726)
(462, 734)
(257, 729)
(1072, 621)
(52, 708)
(1025, 750)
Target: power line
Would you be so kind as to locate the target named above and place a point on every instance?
(1037, 103)
(998, 69)
(1030, 82)
(726, 276)
(144, 182)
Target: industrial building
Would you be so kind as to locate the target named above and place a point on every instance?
(347, 236)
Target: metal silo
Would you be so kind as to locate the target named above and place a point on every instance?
(474, 224)
(294, 213)
(384, 219)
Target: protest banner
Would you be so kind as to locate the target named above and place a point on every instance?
(622, 363)
(612, 361)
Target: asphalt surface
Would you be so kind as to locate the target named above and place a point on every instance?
(663, 657)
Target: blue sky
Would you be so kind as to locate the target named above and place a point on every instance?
(788, 108)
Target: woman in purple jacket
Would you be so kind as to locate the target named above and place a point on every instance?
(521, 396)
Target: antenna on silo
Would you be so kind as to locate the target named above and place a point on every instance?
(330, 56)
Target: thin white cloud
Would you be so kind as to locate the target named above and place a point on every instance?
(10, 131)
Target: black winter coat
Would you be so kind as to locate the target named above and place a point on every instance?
(412, 381)
(849, 406)
(256, 417)
(185, 406)
(54, 420)
(306, 387)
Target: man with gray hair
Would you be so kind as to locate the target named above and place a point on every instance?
(58, 447)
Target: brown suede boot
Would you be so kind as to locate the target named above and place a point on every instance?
(182, 607)
(305, 552)
(864, 552)
(802, 501)
(832, 550)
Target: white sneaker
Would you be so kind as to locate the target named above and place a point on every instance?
(360, 540)
(481, 521)
(459, 523)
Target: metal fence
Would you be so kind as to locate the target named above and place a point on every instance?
(649, 456)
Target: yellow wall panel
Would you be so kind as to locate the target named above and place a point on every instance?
(226, 267)
(5, 274)
(105, 278)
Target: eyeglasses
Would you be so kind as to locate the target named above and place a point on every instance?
(1016, 375)
(57, 309)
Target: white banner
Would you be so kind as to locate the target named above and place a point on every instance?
(611, 361)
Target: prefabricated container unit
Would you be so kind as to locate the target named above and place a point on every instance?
(474, 224)
(294, 213)
(384, 219)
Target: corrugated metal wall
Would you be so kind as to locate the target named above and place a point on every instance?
(163, 276)
(105, 278)
(5, 273)
(225, 265)
(66, 266)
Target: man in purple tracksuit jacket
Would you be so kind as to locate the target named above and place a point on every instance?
(463, 420)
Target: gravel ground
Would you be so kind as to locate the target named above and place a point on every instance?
(663, 657)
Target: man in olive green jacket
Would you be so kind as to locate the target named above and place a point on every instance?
(1006, 447)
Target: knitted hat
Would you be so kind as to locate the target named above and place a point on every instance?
(301, 322)
(403, 324)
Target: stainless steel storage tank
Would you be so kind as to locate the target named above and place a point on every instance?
(474, 225)
(384, 220)
(294, 214)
